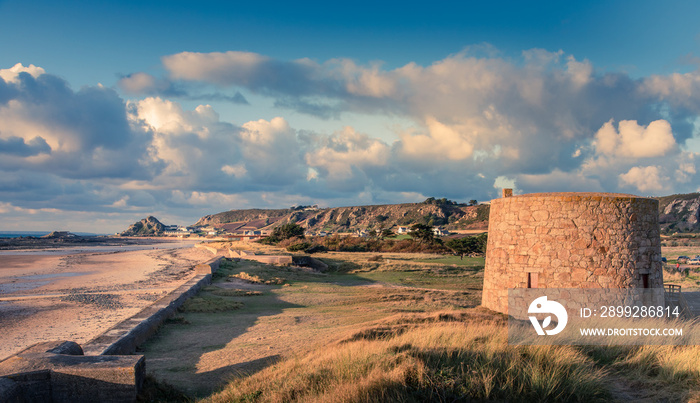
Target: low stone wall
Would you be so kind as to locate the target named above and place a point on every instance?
(23, 387)
(239, 253)
(267, 259)
(204, 246)
(210, 266)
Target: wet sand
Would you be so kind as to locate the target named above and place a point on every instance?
(78, 294)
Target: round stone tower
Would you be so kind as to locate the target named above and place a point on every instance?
(571, 240)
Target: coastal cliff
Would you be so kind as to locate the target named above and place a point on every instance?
(146, 227)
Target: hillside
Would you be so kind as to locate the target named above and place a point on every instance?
(441, 212)
(677, 213)
(148, 226)
(680, 213)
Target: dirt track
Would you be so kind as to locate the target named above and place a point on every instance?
(80, 295)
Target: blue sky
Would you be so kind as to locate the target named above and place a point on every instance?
(112, 111)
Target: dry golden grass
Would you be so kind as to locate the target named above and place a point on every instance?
(465, 356)
(249, 246)
(688, 279)
(256, 279)
(437, 358)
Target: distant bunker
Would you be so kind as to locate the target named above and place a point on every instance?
(571, 240)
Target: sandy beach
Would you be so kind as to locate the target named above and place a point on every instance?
(78, 293)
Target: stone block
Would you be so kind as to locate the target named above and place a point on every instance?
(11, 392)
(49, 375)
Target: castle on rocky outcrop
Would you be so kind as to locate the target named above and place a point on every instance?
(571, 240)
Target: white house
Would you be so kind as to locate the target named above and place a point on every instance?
(403, 230)
(437, 231)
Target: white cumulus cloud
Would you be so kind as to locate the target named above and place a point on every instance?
(440, 141)
(645, 179)
(633, 140)
(345, 153)
(11, 75)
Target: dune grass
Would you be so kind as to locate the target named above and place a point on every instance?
(466, 358)
(434, 361)
(689, 278)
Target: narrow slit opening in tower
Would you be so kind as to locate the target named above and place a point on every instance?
(645, 280)
(531, 280)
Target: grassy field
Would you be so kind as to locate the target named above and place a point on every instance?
(689, 279)
(385, 328)
(454, 260)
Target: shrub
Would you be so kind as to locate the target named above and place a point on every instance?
(255, 279)
(286, 231)
(315, 249)
(298, 246)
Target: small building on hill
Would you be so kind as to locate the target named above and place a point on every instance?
(437, 231)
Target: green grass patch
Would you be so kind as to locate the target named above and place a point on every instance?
(223, 292)
(176, 320)
(183, 368)
(230, 292)
(423, 280)
(455, 260)
(209, 304)
(154, 390)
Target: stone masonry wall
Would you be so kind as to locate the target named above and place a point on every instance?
(571, 240)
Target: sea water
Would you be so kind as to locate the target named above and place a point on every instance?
(35, 234)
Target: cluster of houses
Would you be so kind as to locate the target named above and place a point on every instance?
(176, 230)
(437, 231)
(180, 231)
(244, 234)
(317, 233)
(237, 235)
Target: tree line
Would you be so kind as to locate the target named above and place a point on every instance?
(291, 236)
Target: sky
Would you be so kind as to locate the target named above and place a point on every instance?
(112, 111)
